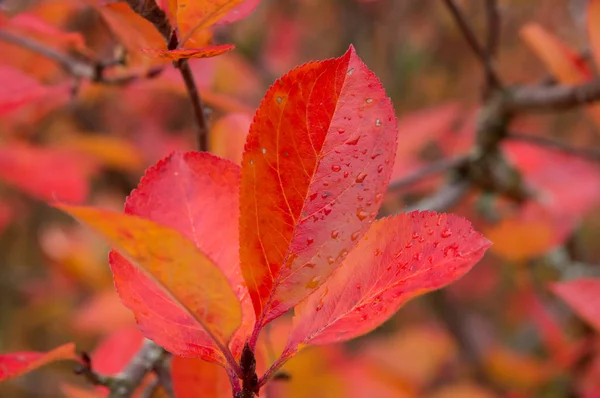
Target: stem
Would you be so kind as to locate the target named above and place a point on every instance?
(93, 72)
(200, 124)
(491, 75)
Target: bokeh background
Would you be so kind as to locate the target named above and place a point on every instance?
(499, 331)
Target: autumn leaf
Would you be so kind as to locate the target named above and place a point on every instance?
(196, 194)
(399, 258)
(593, 28)
(193, 377)
(564, 63)
(45, 173)
(316, 164)
(17, 364)
(583, 296)
(185, 275)
(195, 15)
(228, 136)
(185, 53)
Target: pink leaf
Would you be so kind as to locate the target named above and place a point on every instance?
(583, 296)
(196, 194)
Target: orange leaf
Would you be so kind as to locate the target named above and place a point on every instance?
(110, 151)
(185, 53)
(194, 15)
(314, 171)
(228, 136)
(593, 27)
(17, 364)
(564, 63)
(187, 276)
(193, 377)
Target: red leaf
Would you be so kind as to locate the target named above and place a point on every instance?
(17, 364)
(47, 174)
(314, 171)
(196, 194)
(399, 258)
(185, 53)
(194, 377)
(583, 296)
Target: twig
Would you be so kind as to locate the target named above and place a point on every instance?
(491, 75)
(544, 98)
(444, 199)
(433, 168)
(75, 67)
(200, 124)
(151, 12)
(589, 154)
(145, 360)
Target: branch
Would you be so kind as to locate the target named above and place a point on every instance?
(491, 75)
(544, 98)
(93, 72)
(433, 168)
(149, 10)
(146, 359)
(589, 154)
(200, 124)
(150, 357)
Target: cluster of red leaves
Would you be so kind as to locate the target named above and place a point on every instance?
(316, 164)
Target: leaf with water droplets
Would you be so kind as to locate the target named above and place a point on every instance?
(319, 115)
(392, 264)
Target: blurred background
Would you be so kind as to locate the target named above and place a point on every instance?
(499, 331)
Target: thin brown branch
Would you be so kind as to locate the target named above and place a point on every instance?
(552, 98)
(466, 30)
(589, 154)
(151, 12)
(200, 124)
(75, 67)
(433, 168)
(144, 361)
